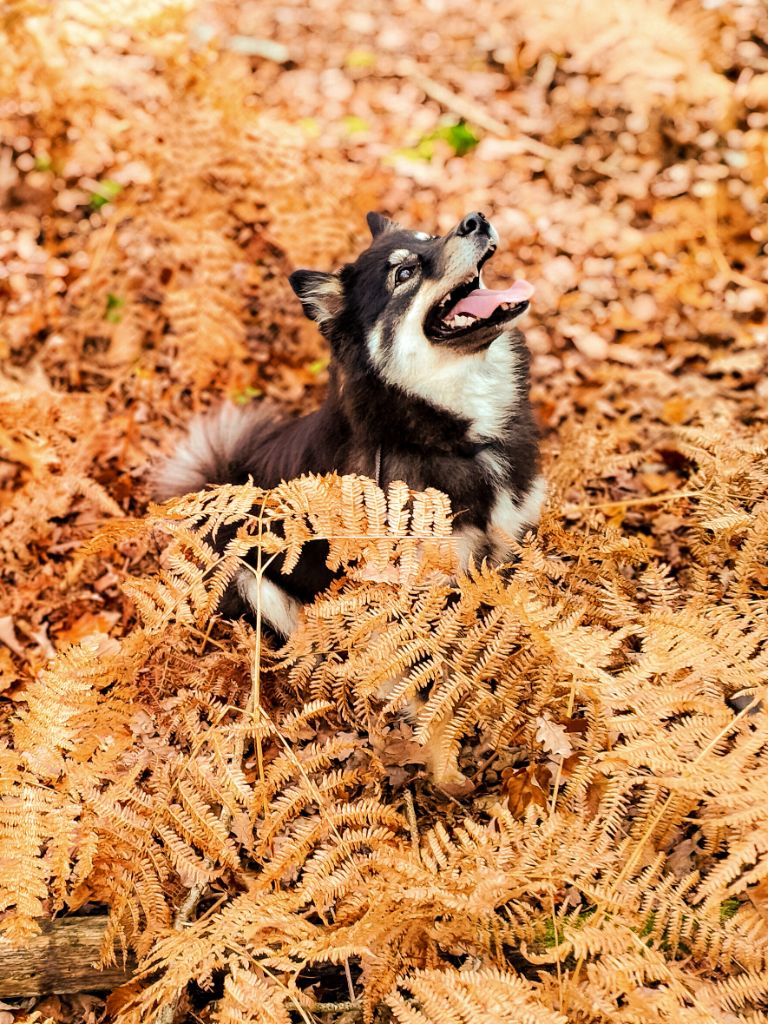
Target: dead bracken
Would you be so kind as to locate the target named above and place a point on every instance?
(258, 825)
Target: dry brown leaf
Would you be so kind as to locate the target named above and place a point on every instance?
(553, 737)
(87, 624)
(526, 786)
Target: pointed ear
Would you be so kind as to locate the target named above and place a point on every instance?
(379, 224)
(321, 294)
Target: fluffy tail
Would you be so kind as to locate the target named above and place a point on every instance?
(215, 451)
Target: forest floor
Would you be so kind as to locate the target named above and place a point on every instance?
(162, 175)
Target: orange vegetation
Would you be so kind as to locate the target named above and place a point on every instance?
(260, 826)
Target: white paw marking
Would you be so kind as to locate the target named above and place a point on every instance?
(510, 519)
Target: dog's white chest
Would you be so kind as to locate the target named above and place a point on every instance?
(482, 388)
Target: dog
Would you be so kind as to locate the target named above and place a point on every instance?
(428, 383)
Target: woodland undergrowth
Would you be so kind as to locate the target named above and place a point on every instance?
(261, 822)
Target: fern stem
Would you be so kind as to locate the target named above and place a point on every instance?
(654, 499)
(553, 803)
(350, 984)
(413, 824)
(632, 861)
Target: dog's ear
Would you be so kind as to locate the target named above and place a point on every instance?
(379, 224)
(321, 294)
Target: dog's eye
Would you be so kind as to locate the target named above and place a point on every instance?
(403, 274)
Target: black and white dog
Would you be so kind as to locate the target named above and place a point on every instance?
(428, 383)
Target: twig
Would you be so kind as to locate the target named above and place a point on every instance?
(655, 499)
(469, 110)
(413, 825)
(350, 984)
(553, 909)
(254, 704)
(207, 635)
(185, 910)
(353, 1004)
(449, 796)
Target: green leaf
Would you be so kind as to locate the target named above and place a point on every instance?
(244, 397)
(729, 907)
(648, 924)
(105, 192)
(460, 137)
(310, 127)
(424, 150)
(548, 938)
(360, 59)
(354, 124)
(114, 305)
(317, 366)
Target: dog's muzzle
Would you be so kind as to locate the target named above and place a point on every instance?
(469, 315)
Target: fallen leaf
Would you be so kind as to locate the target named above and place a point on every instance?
(575, 725)
(8, 635)
(591, 344)
(525, 786)
(8, 673)
(675, 410)
(657, 483)
(553, 737)
(595, 792)
(121, 996)
(87, 625)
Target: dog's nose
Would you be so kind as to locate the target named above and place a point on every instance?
(474, 224)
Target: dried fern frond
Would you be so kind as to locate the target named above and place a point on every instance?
(471, 997)
(272, 828)
(252, 998)
(484, 656)
(174, 200)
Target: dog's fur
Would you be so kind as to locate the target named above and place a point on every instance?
(403, 403)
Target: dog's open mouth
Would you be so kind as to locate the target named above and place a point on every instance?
(470, 308)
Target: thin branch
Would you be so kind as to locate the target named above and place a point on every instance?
(354, 1005)
(468, 110)
(413, 825)
(655, 499)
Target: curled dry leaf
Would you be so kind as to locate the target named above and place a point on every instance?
(526, 786)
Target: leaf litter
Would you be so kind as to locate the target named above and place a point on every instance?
(163, 170)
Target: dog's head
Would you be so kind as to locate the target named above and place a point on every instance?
(411, 291)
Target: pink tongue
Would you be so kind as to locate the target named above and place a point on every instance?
(483, 301)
